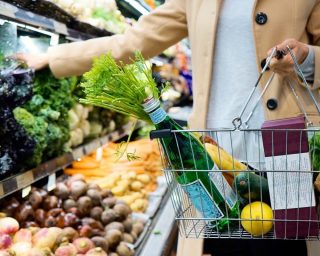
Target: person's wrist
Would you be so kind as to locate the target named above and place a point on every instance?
(304, 53)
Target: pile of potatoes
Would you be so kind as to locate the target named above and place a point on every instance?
(82, 210)
(129, 187)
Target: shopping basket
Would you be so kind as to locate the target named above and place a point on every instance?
(281, 157)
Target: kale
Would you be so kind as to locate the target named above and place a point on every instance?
(36, 127)
(16, 86)
(51, 101)
(16, 145)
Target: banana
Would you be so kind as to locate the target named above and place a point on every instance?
(223, 160)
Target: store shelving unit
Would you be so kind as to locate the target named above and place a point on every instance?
(55, 20)
(25, 179)
(162, 230)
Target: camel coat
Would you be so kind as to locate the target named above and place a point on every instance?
(197, 20)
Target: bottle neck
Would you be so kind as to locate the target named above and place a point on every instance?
(154, 110)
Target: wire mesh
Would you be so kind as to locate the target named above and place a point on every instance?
(287, 170)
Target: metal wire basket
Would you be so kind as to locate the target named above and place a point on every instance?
(294, 209)
(280, 158)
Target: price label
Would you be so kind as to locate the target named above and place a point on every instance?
(99, 153)
(77, 153)
(1, 190)
(26, 191)
(51, 182)
(24, 179)
(60, 27)
(92, 146)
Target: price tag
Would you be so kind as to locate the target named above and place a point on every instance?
(24, 179)
(1, 190)
(26, 191)
(99, 154)
(77, 153)
(60, 27)
(51, 182)
(92, 146)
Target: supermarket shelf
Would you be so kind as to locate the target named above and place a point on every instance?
(162, 233)
(48, 16)
(20, 181)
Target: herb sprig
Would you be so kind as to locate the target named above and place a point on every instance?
(121, 88)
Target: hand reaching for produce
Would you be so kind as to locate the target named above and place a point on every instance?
(283, 64)
(35, 61)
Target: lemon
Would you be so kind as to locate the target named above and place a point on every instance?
(257, 218)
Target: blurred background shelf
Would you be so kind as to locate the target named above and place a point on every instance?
(48, 16)
(25, 179)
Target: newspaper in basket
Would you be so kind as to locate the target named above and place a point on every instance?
(283, 179)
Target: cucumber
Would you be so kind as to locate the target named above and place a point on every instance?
(252, 187)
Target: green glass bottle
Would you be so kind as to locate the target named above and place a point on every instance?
(209, 192)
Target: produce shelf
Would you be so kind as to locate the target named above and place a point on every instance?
(162, 233)
(48, 16)
(23, 180)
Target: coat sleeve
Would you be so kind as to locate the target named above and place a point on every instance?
(151, 35)
(313, 28)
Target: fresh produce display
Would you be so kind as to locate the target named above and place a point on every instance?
(108, 83)
(103, 14)
(45, 116)
(103, 121)
(15, 90)
(75, 217)
(79, 125)
(130, 181)
(50, 241)
(257, 218)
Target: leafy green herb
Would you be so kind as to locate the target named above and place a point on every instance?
(121, 88)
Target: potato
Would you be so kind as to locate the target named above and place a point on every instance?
(123, 183)
(128, 238)
(100, 242)
(122, 211)
(124, 250)
(118, 190)
(137, 228)
(128, 225)
(134, 235)
(115, 225)
(144, 178)
(113, 237)
(108, 216)
(139, 205)
(136, 186)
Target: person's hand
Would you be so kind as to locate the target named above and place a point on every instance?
(285, 65)
(33, 60)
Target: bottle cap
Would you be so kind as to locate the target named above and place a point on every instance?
(150, 104)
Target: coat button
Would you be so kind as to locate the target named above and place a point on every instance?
(261, 18)
(263, 63)
(272, 104)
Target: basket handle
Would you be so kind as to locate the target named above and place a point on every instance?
(237, 122)
(297, 66)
